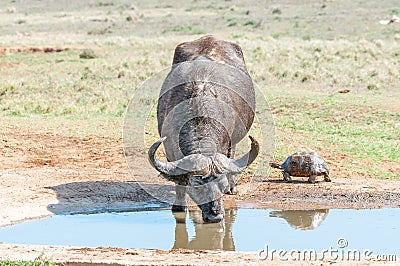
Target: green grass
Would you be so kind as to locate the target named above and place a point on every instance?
(249, 22)
(335, 119)
(26, 263)
(39, 261)
(190, 29)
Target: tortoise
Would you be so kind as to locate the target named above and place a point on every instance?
(303, 164)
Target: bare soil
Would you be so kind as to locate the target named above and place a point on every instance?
(44, 170)
(31, 49)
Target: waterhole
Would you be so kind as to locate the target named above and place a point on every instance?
(376, 230)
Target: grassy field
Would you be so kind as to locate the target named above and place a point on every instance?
(39, 261)
(299, 53)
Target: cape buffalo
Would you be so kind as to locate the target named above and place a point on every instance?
(206, 106)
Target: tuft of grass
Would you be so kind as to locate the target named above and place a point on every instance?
(277, 18)
(395, 11)
(39, 261)
(87, 54)
(101, 31)
(103, 4)
(249, 22)
(306, 37)
(275, 35)
(232, 23)
(276, 10)
(6, 89)
(238, 35)
(190, 29)
(372, 87)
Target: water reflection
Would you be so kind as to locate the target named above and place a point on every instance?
(209, 236)
(302, 219)
(219, 235)
(242, 230)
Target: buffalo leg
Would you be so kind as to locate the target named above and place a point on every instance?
(180, 200)
(231, 178)
(232, 185)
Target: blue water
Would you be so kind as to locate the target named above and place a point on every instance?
(377, 230)
(243, 230)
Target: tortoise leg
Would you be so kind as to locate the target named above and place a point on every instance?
(327, 178)
(312, 178)
(287, 177)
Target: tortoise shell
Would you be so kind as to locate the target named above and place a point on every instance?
(304, 164)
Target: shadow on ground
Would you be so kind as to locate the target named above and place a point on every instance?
(294, 181)
(92, 197)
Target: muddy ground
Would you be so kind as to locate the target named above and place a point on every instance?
(45, 171)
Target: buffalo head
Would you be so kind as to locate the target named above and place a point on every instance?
(206, 178)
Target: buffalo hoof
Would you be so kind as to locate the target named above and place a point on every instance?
(213, 218)
(178, 208)
(232, 191)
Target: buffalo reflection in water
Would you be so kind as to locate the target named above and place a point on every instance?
(302, 219)
(211, 236)
(218, 236)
